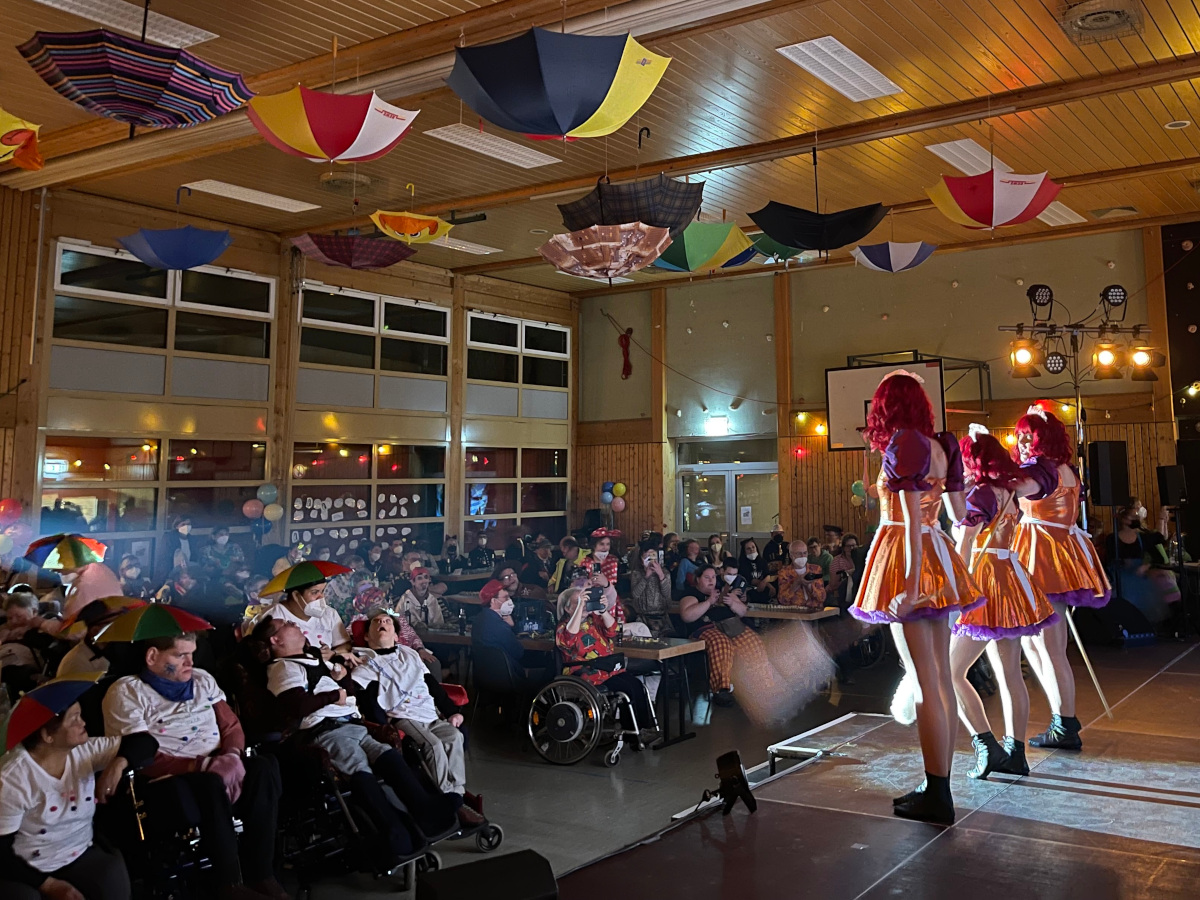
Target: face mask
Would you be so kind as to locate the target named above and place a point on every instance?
(715, 548)
(323, 556)
(778, 539)
(185, 530)
(729, 578)
(374, 557)
(600, 555)
(752, 556)
(1141, 511)
(132, 574)
(222, 540)
(800, 562)
(483, 542)
(452, 550)
(315, 607)
(241, 575)
(506, 608)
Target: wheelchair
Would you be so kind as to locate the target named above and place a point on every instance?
(570, 717)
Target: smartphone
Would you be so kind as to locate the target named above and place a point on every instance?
(660, 557)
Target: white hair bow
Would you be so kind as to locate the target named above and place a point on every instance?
(912, 375)
(975, 429)
(1036, 410)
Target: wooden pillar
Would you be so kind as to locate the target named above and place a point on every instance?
(283, 398)
(783, 397)
(455, 476)
(1156, 318)
(665, 509)
(24, 297)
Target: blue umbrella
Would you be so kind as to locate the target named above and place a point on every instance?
(893, 257)
(176, 248)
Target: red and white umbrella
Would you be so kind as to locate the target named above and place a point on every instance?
(993, 199)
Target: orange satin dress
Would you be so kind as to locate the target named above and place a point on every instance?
(946, 584)
(1057, 553)
(1015, 605)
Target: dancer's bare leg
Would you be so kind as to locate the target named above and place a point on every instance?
(1053, 641)
(928, 643)
(1005, 657)
(963, 653)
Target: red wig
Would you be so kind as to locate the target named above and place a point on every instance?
(987, 462)
(1049, 437)
(899, 403)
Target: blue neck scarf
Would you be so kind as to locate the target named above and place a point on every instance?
(176, 691)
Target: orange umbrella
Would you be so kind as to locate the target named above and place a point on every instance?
(412, 228)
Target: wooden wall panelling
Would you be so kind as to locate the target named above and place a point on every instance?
(639, 466)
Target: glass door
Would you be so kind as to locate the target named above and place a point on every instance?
(703, 504)
(732, 500)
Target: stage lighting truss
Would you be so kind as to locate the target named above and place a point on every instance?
(1114, 297)
(1107, 360)
(1041, 302)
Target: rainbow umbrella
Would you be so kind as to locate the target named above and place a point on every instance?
(993, 199)
(352, 251)
(65, 552)
(606, 251)
(545, 84)
(892, 256)
(176, 248)
(154, 620)
(43, 703)
(303, 574)
(707, 245)
(19, 142)
(133, 81)
(412, 228)
(325, 127)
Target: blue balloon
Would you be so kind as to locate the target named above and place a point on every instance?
(267, 493)
(606, 497)
(608, 486)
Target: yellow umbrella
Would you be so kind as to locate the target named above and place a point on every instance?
(19, 142)
(412, 228)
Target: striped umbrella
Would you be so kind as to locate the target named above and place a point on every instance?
(891, 256)
(325, 127)
(151, 621)
(43, 703)
(412, 228)
(707, 245)
(19, 142)
(352, 251)
(65, 552)
(993, 199)
(133, 81)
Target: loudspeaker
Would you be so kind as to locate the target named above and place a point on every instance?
(525, 875)
(1118, 622)
(1172, 486)
(1108, 473)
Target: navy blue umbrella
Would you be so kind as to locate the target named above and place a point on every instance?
(808, 230)
(176, 248)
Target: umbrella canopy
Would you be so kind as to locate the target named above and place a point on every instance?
(891, 256)
(43, 703)
(176, 248)
(545, 84)
(352, 251)
(153, 620)
(133, 81)
(993, 199)
(325, 127)
(113, 606)
(775, 250)
(65, 551)
(412, 228)
(19, 142)
(606, 251)
(707, 245)
(808, 230)
(659, 201)
(302, 575)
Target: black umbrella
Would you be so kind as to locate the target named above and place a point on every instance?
(808, 230)
(659, 201)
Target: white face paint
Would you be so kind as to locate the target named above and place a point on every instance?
(507, 607)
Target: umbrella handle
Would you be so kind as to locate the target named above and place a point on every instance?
(412, 192)
(179, 191)
(644, 130)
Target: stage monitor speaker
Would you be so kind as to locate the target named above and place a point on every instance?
(1172, 486)
(1108, 473)
(525, 875)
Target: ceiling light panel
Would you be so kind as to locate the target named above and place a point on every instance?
(1061, 214)
(127, 17)
(249, 195)
(841, 68)
(453, 243)
(492, 145)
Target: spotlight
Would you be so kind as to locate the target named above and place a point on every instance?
(1041, 302)
(1022, 358)
(1146, 358)
(1107, 360)
(734, 785)
(1010, 439)
(1112, 298)
(1056, 363)
(1193, 389)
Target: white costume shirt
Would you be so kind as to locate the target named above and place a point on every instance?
(327, 628)
(289, 672)
(52, 817)
(421, 614)
(187, 728)
(403, 693)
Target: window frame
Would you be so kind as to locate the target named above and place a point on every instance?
(330, 325)
(228, 272)
(65, 245)
(473, 315)
(413, 335)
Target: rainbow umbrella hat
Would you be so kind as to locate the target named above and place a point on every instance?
(65, 552)
(303, 574)
(152, 621)
(43, 703)
(113, 607)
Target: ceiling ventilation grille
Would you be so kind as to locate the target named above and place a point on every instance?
(1094, 21)
(346, 184)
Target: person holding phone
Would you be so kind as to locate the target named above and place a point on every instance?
(715, 612)
(650, 591)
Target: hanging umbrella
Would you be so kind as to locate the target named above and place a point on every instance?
(325, 127)
(43, 703)
(133, 81)
(176, 248)
(545, 84)
(808, 230)
(707, 245)
(154, 620)
(412, 228)
(659, 201)
(606, 251)
(352, 251)
(302, 575)
(891, 256)
(993, 199)
(19, 142)
(65, 552)
(775, 250)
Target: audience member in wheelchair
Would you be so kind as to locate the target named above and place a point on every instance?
(49, 790)
(25, 640)
(201, 745)
(493, 627)
(316, 701)
(407, 696)
(585, 637)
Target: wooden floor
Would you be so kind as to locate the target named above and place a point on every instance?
(1119, 820)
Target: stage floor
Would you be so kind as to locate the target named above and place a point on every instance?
(1119, 820)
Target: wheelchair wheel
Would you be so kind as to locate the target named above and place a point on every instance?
(612, 757)
(489, 838)
(566, 721)
(871, 648)
(430, 862)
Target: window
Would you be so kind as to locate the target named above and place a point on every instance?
(534, 355)
(412, 356)
(489, 462)
(497, 501)
(100, 271)
(416, 319)
(493, 331)
(189, 460)
(545, 372)
(97, 510)
(100, 321)
(546, 339)
(75, 459)
(208, 507)
(347, 310)
(410, 461)
(240, 293)
(337, 348)
(410, 500)
(331, 461)
(486, 365)
(536, 463)
(200, 333)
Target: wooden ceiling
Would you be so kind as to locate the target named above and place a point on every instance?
(730, 110)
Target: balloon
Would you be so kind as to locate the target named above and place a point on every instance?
(10, 510)
(606, 497)
(6, 544)
(267, 493)
(872, 503)
(272, 512)
(252, 509)
(856, 501)
(607, 487)
(858, 490)
(618, 489)
(618, 504)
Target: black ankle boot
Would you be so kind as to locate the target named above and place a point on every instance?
(1015, 764)
(1063, 734)
(911, 795)
(989, 755)
(934, 804)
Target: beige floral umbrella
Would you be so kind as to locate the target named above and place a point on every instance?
(606, 251)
